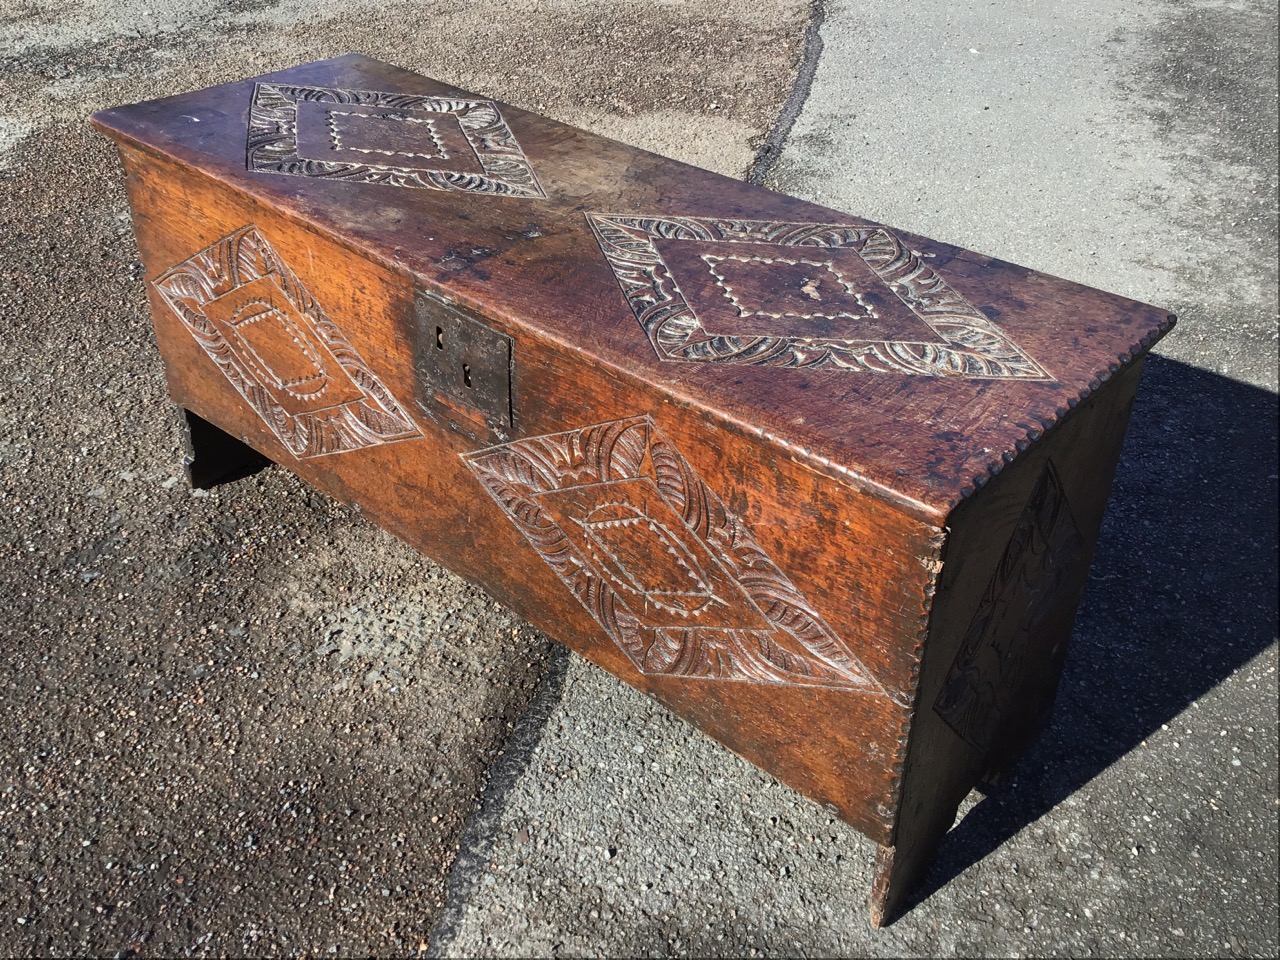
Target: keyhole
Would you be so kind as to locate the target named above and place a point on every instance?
(466, 374)
(439, 338)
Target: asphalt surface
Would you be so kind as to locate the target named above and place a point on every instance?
(1127, 146)
(247, 722)
(250, 723)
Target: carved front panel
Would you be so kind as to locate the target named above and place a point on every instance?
(279, 349)
(1008, 636)
(673, 578)
(401, 140)
(800, 295)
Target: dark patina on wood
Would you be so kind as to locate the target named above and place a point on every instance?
(827, 489)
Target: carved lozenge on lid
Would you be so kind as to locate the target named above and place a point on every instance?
(912, 367)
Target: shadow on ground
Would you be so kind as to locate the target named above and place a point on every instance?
(1182, 594)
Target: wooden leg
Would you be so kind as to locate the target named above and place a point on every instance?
(886, 888)
(901, 867)
(897, 873)
(213, 456)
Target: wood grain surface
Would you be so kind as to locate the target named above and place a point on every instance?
(828, 490)
(925, 441)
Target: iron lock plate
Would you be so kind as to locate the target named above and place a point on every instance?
(464, 363)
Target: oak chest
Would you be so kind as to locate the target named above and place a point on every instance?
(826, 489)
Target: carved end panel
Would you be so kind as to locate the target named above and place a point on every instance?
(1008, 662)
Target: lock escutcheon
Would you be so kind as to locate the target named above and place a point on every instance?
(463, 363)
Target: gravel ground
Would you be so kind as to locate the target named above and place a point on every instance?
(1128, 146)
(231, 718)
(246, 722)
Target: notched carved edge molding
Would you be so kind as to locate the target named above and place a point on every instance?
(1122, 361)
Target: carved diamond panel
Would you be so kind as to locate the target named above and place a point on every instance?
(672, 577)
(280, 351)
(402, 140)
(1006, 637)
(800, 295)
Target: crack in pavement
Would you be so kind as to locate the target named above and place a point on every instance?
(511, 763)
(771, 150)
(513, 759)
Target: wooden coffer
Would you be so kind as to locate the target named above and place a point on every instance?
(824, 488)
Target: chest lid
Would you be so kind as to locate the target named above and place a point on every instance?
(911, 367)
